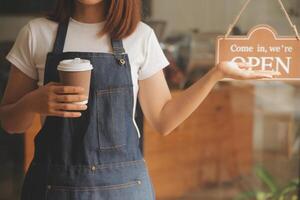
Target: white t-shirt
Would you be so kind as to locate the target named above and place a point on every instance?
(37, 38)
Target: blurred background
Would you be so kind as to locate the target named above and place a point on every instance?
(243, 142)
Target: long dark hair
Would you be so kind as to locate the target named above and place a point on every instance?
(122, 16)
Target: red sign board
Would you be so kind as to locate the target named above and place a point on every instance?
(264, 50)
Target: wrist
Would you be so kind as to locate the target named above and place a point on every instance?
(26, 103)
(217, 74)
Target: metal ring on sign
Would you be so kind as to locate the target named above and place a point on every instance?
(122, 61)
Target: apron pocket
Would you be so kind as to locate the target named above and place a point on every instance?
(127, 191)
(113, 108)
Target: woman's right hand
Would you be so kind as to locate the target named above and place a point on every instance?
(54, 99)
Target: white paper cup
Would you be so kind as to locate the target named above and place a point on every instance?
(76, 72)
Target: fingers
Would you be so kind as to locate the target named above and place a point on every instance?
(70, 98)
(66, 110)
(245, 71)
(258, 76)
(68, 90)
(245, 65)
(69, 107)
(66, 114)
(249, 73)
(253, 75)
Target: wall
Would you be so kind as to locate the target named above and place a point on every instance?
(216, 15)
(11, 25)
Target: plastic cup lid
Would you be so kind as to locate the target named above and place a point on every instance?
(76, 64)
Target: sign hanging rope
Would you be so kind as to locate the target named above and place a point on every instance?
(231, 26)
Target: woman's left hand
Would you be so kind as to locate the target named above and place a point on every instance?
(239, 71)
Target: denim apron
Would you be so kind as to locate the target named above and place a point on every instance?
(96, 156)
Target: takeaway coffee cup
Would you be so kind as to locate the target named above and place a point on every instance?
(76, 72)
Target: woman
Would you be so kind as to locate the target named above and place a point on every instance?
(92, 151)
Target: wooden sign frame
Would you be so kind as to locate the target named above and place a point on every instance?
(264, 49)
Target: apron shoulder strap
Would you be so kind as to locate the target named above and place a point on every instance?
(117, 46)
(119, 51)
(61, 37)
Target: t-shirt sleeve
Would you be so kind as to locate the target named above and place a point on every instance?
(155, 59)
(21, 54)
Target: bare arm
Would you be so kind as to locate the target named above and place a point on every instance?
(165, 113)
(23, 99)
(15, 110)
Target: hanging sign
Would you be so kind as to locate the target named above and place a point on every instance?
(263, 49)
